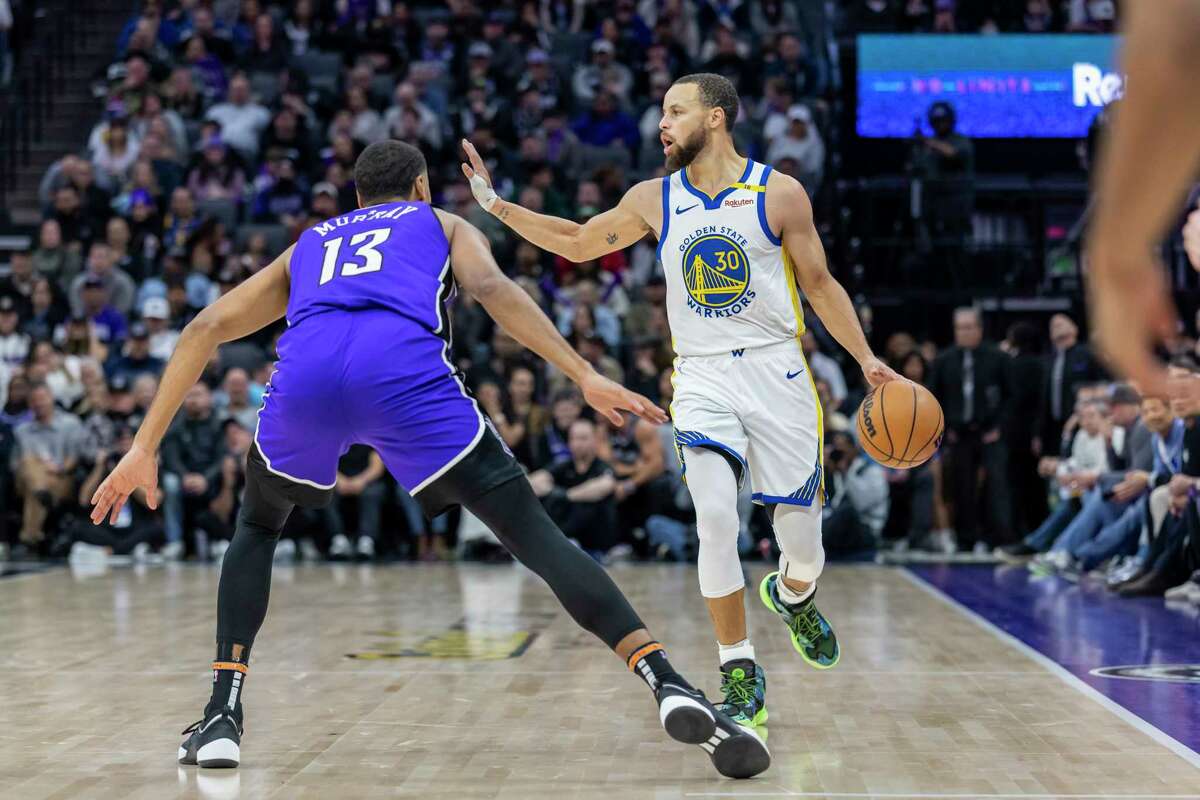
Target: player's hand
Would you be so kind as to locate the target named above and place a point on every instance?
(1132, 314)
(478, 177)
(137, 469)
(876, 372)
(611, 398)
(1191, 238)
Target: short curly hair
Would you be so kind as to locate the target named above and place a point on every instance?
(716, 91)
(387, 169)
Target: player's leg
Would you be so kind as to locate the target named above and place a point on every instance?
(489, 484)
(786, 470)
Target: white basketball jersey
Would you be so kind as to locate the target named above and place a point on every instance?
(730, 284)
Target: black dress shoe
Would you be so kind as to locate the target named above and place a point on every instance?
(1152, 584)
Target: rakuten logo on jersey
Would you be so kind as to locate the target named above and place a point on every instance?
(736, 203)
(1091, 86)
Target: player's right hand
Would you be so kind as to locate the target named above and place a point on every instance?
(611, 398)
(137, 469)
(478, 177)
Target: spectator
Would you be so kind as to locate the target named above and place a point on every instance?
(14, 345)
(824, 368)
(412, 117)
(946, 162)
(192, 452)
(182, 221)
(283, 197)
(108, 324)
(136, 358)
(46, 312)
(795, 66)
(102, 269)
(47, 451)
(578, 493)
(520, 420)
(115, 155)
(19, 283)
(856, 507)
(217, 176)
(241, 119)
(233, 401)
(53, 259)
(1028, 488)
(207, 68)
(1070, 366)
(136, 524)
(603, 74)
(155, 313)
(635, 453)
(73, 223)
(972, 381)
(802, 143)
(267, 52)
(360, 489)
(606, 125)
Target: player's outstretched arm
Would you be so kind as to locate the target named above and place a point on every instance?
(514, 310)
(605, 233)
(1150, 159)
(254, 304)
(826, 296)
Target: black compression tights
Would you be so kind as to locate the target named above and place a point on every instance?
(512, 512)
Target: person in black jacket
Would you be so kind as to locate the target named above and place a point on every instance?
(1069, 366)
(1028, 487)
(192, 453)
(973, 382)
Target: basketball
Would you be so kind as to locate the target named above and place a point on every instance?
(900, 424)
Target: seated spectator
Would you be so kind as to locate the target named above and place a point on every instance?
(53, 259)
(120, 290)
(240, 118)
(218, 175)
(136, 525)
(192, 454)
(605, 124)
(578, 493)
(266, 51)
(115, 155)
(206, 66)
(282, 197)
(79, 336)
(155, 313)
(856, 491)
(834, 420)
(824, 368)
(46, 311)
(63, 373)
(233, 400)
(802, 142)
(47, 450)
(16, 401)
(408, 115)
(14, 345)
(181, 221)
(19, 283)
(360, 490)
(635, 453)
(136, 358)
(366, 123)
(76, 226)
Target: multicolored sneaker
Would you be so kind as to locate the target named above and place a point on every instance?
(812, 635)
(744, 685)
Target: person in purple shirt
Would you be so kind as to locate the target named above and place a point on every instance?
(606, 124)
(110, 324)
(365, 360)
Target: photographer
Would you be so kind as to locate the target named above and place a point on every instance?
(856, 498)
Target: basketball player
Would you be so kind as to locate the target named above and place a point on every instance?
(365, 359)
(1149, 162)
(735, 238)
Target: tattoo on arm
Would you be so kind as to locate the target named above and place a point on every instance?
(504, 212)
(611, 238)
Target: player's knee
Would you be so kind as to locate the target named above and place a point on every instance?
(716, 521)
(798, 531)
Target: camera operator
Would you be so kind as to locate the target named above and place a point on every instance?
(856, 498)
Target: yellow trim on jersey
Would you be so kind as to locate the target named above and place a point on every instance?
(791, 281)
(749, 187)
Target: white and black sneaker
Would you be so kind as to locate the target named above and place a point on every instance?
(688, 717)
(214, 742)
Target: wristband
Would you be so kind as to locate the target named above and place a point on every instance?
(484, 194)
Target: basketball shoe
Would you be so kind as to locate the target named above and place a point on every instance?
(812, 635)
(744, 685)
(214, 741)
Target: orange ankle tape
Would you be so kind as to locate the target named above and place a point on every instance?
(231, 665)
(640, 653)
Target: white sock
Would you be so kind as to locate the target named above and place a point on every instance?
(732, 652)
(790, 596)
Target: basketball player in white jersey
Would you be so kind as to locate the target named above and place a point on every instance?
(735, 241)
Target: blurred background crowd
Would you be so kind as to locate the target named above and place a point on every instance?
(219, 129)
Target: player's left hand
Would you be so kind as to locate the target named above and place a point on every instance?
(611, 398)
(137, 469)
(877, 372)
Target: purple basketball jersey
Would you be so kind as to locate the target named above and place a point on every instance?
(365, 358)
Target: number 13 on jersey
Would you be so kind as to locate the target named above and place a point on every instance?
(366, 243)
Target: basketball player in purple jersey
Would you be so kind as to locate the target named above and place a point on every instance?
(365, 359)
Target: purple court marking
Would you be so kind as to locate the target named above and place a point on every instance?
(1082, 627)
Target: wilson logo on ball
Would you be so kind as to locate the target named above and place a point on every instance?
(868, 404)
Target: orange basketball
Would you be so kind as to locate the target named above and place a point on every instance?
(900, 424)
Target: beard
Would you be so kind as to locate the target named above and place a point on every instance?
(685, 152)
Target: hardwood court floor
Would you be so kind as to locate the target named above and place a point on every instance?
(99, 674)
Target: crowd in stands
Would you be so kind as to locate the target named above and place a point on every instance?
(229, 127)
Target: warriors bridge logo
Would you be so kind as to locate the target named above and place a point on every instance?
(717, 275)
